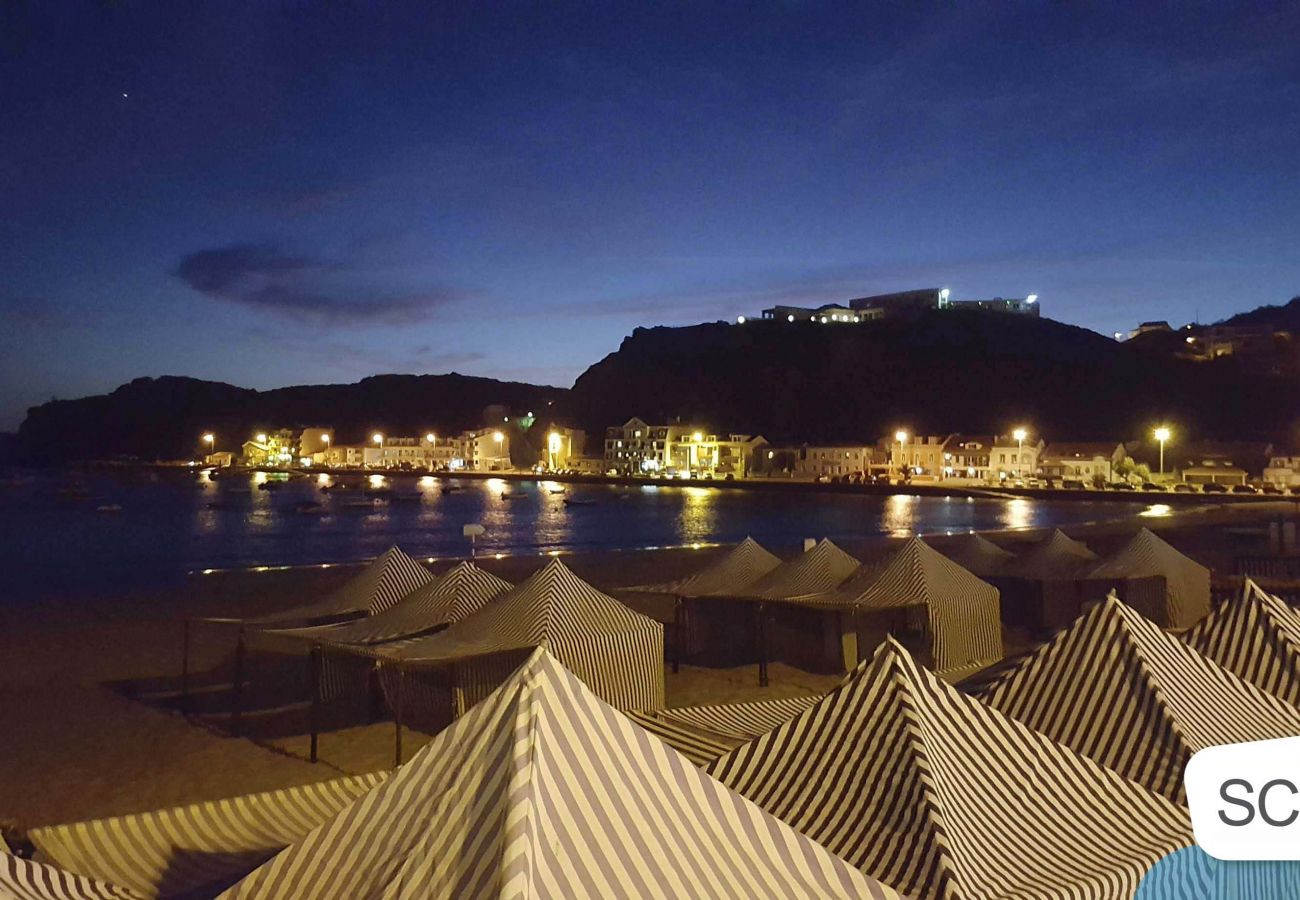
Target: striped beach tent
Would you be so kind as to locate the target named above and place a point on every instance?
(1118, 689)
(23, 879)
(729, 575)
(1256, 637)
(544, 791)
(1059, 556)
(978, 555)
(200, 848)
(1043, 588)
(669, 601)
(820, 569)
(444, 599)
(617, 652)
(939, 796)
(703, 733)
(1183, 597)
(963, 621)
(374, 589)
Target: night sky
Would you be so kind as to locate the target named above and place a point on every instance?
(292, 192)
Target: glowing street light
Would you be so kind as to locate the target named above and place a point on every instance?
(1162, 434)
(261, 437)
(210, 439)
(498, 436)
(1020, 434)
(697, 437)
(431, 437)
(325, 438)
(901, 437)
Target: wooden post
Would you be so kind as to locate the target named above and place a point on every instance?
(678, 613)
(237, 688)
(185, 669)
(762, 645)
(397, 715)
(315, 670)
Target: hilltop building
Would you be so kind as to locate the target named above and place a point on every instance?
(880, 306)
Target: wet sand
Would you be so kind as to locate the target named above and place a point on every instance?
(74, 747)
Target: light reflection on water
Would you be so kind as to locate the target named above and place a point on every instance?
(168, 526)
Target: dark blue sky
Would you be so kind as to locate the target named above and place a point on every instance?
(290, 192)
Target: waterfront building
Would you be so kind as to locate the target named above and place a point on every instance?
(921, 455)
(1011, 459)
(700, 455)
(271, 448)
(1283, 471)
(314, 440)
(339, 456)
(967, 456)
(824, 461)
(485, 449)
(638, 448)
(1084, 461)
(559, 447)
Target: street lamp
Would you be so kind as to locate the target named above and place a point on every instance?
(261, 437)
(1020, 434)
(210, 439)
(431, 437)
(1162, 434)
(901, 437)
(378, 439)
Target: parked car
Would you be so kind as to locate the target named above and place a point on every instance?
(1072, 484)
(1295, 489)
(1243, 489)
(1271, 489)
(1213, 487)
(1152, 486)
(1183, 487)
(1120, 486)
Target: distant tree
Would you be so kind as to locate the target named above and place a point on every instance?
(1098, 481)
(1142, 471)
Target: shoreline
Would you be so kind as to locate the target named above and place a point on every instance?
(940, 489)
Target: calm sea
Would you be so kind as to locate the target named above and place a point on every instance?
(65, 530)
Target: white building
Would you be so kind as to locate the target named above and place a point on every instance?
(485, 449)
(1082, 461)
(921, 455)
(1283, 470)
(1010, 459)
(834, 461)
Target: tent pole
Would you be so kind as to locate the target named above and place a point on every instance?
(397, 715)
(237, 689)
(762, 645)
(678, 613)
(315, 669)
(185, 669)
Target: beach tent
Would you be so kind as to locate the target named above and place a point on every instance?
(342, 655)
(1117, 688)
(1042, 589)
(374, 589)
(938, 796)
(801, 636)
(978, 555)
(543, 791)
(728, 575)
(617, 652)
(1257, 637)
(200, 848)
(440, 601)
(822, 568)
(703, 733)
(23, 879)
(961, 611)
(1058, 556)
(1176, 587)
(380, 585)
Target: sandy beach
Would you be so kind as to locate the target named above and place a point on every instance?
(76, 746)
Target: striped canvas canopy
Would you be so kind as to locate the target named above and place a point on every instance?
(1117, 688)
(1059, 556)
(978, 555)
(821, 569)
(617, 652)
(445, 599)
(22, 879)
(541, 791)
(703, 733)
(201, 847)
(939, 796)
(374, 589)
(1187, 582)
(1257, 637)
(964, 615)
(744, 564)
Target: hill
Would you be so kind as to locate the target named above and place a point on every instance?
(941, 371)
(1283, 318)
(153, 418)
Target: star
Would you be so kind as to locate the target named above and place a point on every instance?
(124, 96)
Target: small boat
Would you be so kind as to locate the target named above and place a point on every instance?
(451, 488)
(513, 495)
(271, 485)
(308, 508)
(360, 505)
(557, 490)
(109, 508)
(573, 501)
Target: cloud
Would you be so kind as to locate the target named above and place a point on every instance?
(264, 277)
